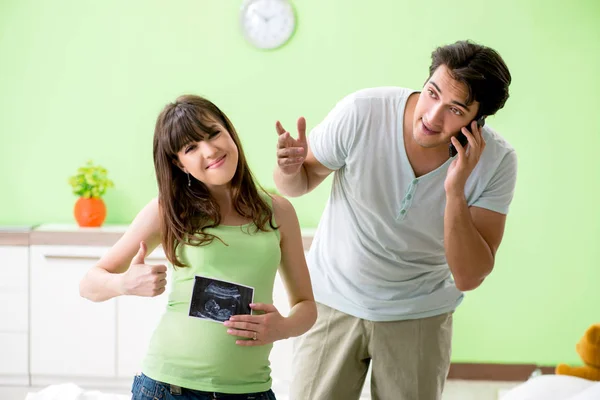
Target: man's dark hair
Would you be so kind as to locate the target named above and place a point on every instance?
(480, 68)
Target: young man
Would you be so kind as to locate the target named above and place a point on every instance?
(407, 227)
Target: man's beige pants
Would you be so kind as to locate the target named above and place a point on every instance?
(410, 359)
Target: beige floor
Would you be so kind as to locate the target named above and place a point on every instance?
(455, 390)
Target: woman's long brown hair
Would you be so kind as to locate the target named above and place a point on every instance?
(187, 211)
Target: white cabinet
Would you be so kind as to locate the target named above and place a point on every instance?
(136, 319)
(14, 368)
(74, 337)
(70, 336)
(14, 352)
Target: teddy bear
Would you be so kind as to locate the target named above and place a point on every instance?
(589, 351)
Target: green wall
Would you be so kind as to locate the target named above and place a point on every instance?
(84, 79)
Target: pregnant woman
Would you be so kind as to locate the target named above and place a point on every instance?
(214, 222)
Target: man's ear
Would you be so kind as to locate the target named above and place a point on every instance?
(481, 121)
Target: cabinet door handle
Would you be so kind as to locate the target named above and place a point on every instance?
(69, 257)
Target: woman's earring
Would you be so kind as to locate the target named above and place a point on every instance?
(189, 180)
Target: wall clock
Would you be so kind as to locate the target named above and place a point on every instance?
(267, 24)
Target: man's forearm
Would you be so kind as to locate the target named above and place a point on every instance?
(468, 255)
(291, 185)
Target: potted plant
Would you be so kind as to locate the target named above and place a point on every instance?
(90, 184)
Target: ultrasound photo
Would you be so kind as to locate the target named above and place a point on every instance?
(217, 300)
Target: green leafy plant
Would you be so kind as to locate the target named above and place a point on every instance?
(91, 181)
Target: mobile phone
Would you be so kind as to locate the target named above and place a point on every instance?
(462, 139)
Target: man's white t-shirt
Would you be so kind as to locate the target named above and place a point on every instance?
(378, 252)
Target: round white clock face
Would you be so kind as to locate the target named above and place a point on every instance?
(267, 24)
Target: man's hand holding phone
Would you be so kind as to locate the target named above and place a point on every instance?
(462, 166)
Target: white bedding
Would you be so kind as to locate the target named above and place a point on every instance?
(544, 387)
(555, 387)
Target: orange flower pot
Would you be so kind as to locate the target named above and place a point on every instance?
(89, 212)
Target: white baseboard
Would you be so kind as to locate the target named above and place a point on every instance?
(14, 380)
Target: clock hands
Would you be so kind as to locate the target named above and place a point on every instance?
(266, 19)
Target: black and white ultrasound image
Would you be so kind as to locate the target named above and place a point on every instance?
(218, 300)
